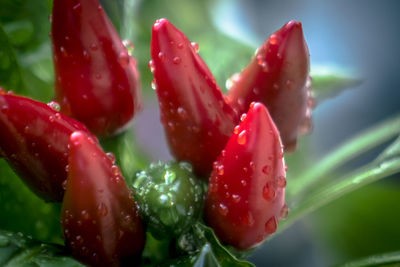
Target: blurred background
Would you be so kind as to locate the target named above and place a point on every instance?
(355, 39)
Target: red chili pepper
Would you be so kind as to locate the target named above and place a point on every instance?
(246, 193)
(100, 218)
(34, 139)
(96, 79)
(196, 118)
(277, 76)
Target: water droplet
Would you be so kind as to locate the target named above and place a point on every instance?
(180, 45)
(222, 209)
(51, 118)
(248, 219)
(86, 54)
(100, 8)
(275, 86)
(177, 60)
(63, 51)
(256, 91)
(195, 47)
(123, 59)
(281, 182)
(235, 198)
(182, 113)
(220, 169)
(57, 115)
(284, 212)
(151, 66)
(242, 137)
(264, 66)
(115, 170)
(268, 192)
(243, 117)
(111, 156)
(26, 129)
(161, 56)
(273, 39)
(102, 209)
(236, 129)
(153, 84)
(85, 214)
(271, 225)
(243, 182)
(289, 84)
(129, 46)
(79, 239)
(64, 184)
(77, 7)
(94, 47)
(266, 169)
(54, 105)
(213, 187)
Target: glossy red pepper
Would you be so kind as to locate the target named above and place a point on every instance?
(101, 222)
(96, 79)
(246, 193)
(197, 120)
(34, 139)
(278, 76)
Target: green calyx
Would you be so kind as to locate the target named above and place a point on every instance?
(170, 197)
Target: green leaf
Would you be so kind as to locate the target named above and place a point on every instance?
(17, 250)
(10, 72)
(205, 257)
(129, 156)
(328, 82)
(391, 258)
(23, 211)
(354, 147)
(387, 164)
(222, 254)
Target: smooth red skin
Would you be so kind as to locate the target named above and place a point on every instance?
(243, 226)
(105, 103)
(101, 221)
(198, 135)
(287, 60)
(34, 141)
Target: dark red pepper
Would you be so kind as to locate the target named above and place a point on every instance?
(34, 139)
(246, 193)
(101, 221)
(196, 118)
(278, 76)
(96, 79)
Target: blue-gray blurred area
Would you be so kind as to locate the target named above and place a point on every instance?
(361, 37)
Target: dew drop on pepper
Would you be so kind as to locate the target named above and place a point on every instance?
(242, 137)
(123, 59)
(222, 209)
(271, 225)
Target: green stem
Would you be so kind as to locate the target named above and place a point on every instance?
(349, 150)
(376, 260)
(340, 187)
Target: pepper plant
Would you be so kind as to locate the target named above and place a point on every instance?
(100, 201)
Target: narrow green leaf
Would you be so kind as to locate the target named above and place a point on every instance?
(354, 147)
(18, 250)
(10, 72)
(329, 82)
(376, 260)
(387, 164)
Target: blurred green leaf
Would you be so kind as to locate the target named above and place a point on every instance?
(354, 147)
(17, 250)
(128, 155)
(329, 82)
(22, 211)
(223, 255)
(387, 164)
(10, 73)
(387, 259)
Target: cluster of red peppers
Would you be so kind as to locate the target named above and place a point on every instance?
(236, 142)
